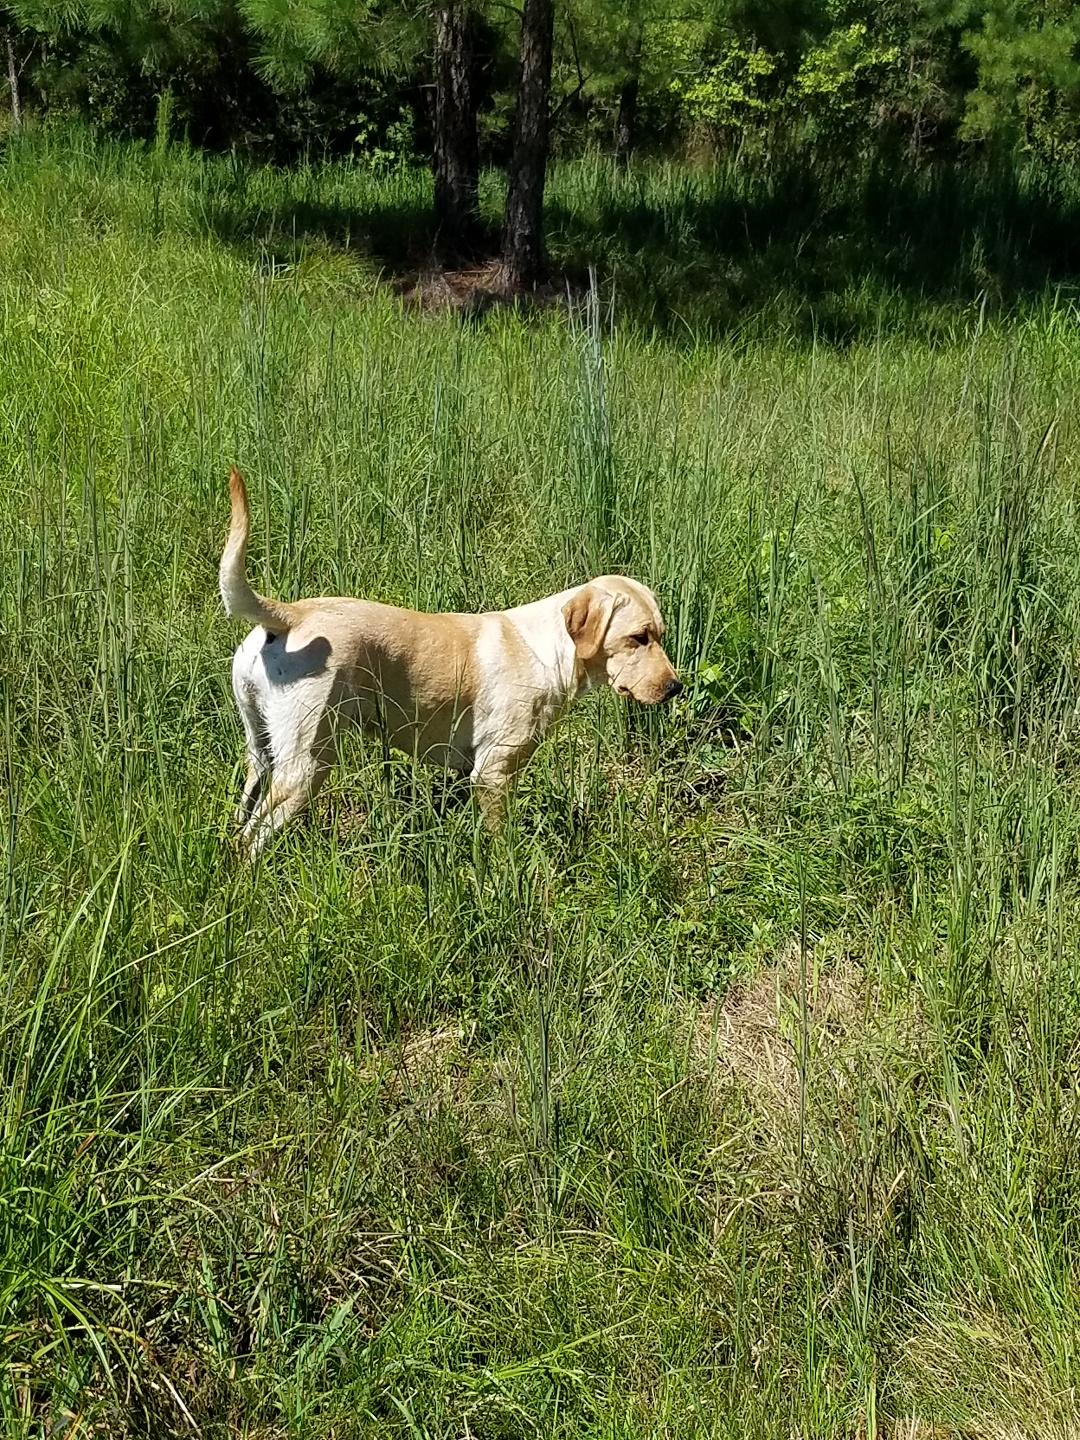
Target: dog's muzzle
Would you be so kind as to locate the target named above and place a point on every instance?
(673, 687)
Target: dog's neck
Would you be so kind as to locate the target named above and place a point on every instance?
(541, 626)
(584, 679)
(568, 672)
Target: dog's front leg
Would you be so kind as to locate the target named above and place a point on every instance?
(492, 778)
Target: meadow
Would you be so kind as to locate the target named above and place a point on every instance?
(732, 1090)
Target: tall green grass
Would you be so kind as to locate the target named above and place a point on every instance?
(732, 1090)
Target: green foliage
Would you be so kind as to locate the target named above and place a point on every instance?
(735, 93)
(386, 143)
(111, 62)
(839, 80)
(847, 75)
(345, 36)
(1028, 88)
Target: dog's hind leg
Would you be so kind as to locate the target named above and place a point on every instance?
(259, 765)
(293, 786)
(259, 759)
(253, 783)
(248, 682)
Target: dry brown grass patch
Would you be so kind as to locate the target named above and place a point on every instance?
(754, 1032)
(477, 289)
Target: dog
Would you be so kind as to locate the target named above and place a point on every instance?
(473, 693)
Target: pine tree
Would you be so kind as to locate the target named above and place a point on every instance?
(357, 36)
(457, 149)
(523, 222)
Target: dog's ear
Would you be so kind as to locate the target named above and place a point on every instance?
(587, 617)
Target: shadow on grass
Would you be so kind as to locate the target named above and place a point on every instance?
(395, 236)
(837, 255)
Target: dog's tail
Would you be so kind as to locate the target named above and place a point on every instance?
(239, 598)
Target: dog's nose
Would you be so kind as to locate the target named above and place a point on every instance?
(673, 687)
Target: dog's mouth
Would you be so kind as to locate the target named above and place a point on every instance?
(657, 697)
(628, 694)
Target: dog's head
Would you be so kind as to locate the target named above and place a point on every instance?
(616, 626)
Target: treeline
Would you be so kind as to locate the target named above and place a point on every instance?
(467, 82)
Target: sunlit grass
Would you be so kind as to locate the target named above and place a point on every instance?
(731, 1091)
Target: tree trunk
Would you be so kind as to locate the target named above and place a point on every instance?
(457, 152)
(13, 82)
(626, 123)
(523, 223)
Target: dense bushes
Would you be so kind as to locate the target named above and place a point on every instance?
(284, 77)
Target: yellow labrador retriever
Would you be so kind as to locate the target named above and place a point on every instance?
(474, 693)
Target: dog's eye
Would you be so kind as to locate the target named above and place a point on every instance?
(641, 639)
